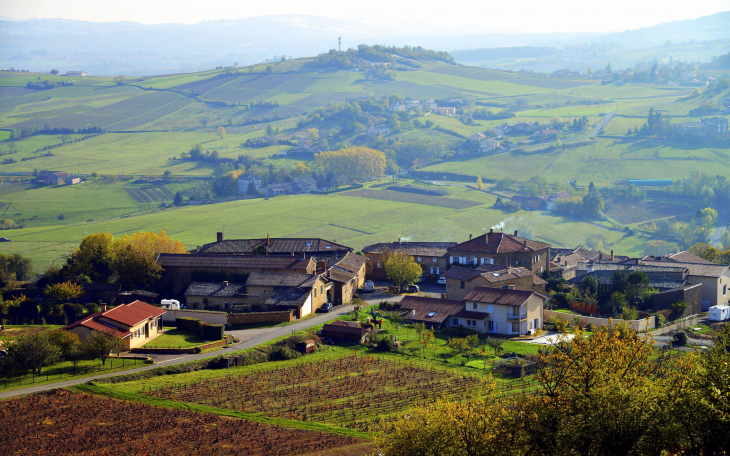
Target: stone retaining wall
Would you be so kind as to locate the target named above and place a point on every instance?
(639, 325)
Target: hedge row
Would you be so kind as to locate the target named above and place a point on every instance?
(209, 331)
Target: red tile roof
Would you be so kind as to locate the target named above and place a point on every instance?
(498, 243)
(90, 322)
(133, 313)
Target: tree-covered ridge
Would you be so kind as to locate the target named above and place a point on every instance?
(381, 54)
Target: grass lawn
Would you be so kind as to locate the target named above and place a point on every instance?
(174, 338)
(64, 371)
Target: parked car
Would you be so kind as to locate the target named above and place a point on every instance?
(368, 286)
(441, 281)
(413, 289)
(326, 307)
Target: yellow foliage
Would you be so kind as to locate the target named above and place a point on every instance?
(352, 164)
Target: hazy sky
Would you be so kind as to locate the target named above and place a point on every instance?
(466, 16)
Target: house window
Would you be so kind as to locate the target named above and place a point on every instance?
(518, 262)
(435, 260)
(515, 327)
(463, 284)
(474, 305)
(490, 326)
(419, 259)
(537, 258)
(724, 290)
(315, 291)
(321, 289)
(379, 264)
(266, 291)
(455, 322)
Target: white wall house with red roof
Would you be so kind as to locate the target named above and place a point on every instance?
(135, 323)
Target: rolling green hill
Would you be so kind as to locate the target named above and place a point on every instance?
(141, 128)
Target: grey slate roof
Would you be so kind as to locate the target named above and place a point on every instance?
(275, 246)
(701, 270)
(288, 296)
(499, 296)
(494, 274)
(199, 260)
(432, 249)
(280, 279)
(442, 308)
(604, 278)
(216, 290)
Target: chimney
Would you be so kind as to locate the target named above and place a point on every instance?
(268, 239)
(612, 257)
(400, 241)
(524, 242)
(197, 249)
(470, 237)
(491, 230)
(103, 307)
(516, 232)
(219, 237)
(566, 262)
(600, 255)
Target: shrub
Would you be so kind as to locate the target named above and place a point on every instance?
(678, 309)
(680, 338)
(386, 344)
(561, 325)
(213, 331)
(590, 327)
(282, 353)
(188, 324)
(197, 350)
(661, 320)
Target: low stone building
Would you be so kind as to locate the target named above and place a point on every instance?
(431, 256)
(345, 331)
(347, 276)
(221, 295)
(180, 270)
(303, 293)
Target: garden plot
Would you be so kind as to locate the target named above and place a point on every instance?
(355, 392)
(61, 422)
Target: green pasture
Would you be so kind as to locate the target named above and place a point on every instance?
(601, 162)
(354, 221)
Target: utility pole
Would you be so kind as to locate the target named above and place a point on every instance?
(339, 44)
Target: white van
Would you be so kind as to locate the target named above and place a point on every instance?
(368, 286)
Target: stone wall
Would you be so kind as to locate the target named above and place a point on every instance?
(639, 325)
(207, 316)
(692, 296)
(260, 317)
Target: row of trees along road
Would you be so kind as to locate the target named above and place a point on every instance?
(608, 394)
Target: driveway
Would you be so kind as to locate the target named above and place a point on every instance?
(380, 292)
(249, 338)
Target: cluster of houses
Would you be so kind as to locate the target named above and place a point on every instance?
(298, 186)
(409, 104)
(493, 282)
(713, 127)
(56, 178)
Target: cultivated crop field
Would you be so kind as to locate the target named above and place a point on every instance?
(416, 198)
(633, 210)
(150, 194)
(62, 422)
(357, 392)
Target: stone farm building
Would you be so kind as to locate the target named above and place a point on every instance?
(347, 276)
(180, 270)
(503, 249)
(303, 293)
(325, 252)
(52, 177)
(221, 295)
(431, 256)
(135, 324)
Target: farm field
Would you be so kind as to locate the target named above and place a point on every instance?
(371, 221)
(356, 392)
(64, 422)
(629, 211)
(601, 162)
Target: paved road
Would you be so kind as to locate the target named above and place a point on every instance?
(722, 221)
(249, 338)
(606, 119)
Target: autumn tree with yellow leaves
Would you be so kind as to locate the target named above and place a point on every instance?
(354, 164)
(135, 257)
